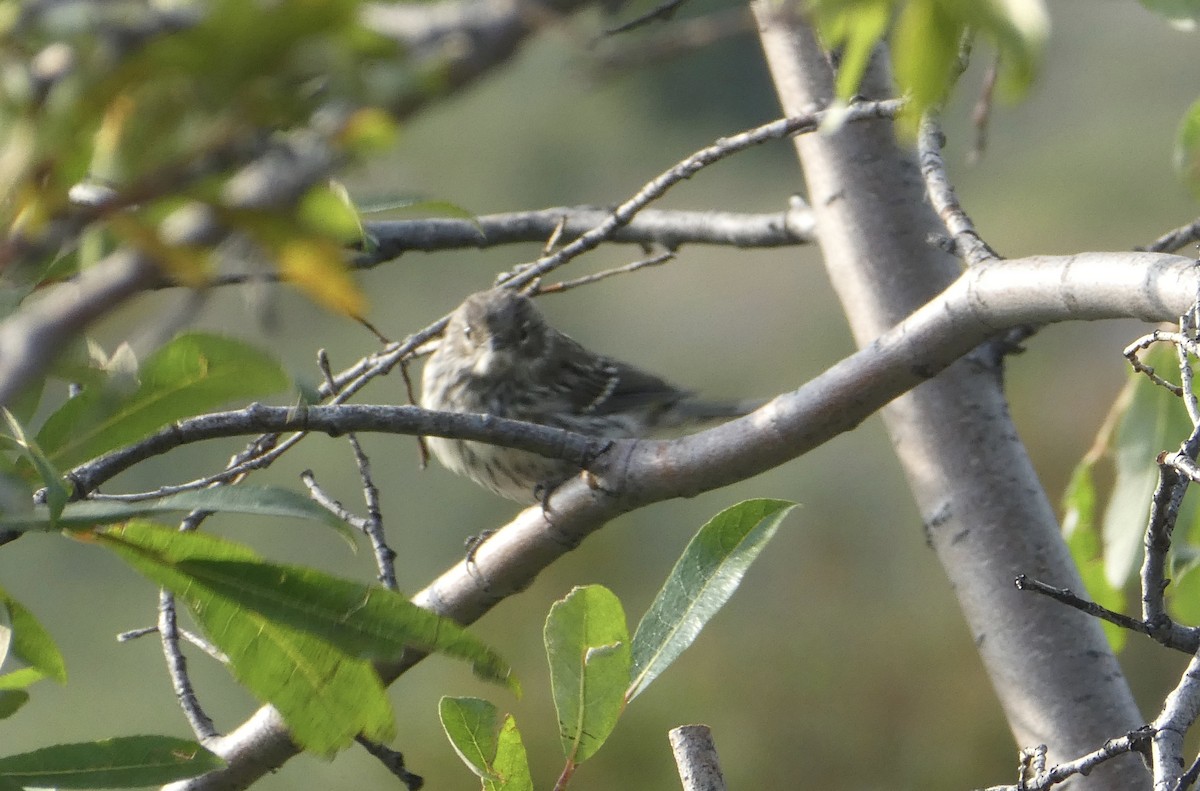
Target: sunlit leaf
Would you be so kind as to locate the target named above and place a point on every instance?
(326, 696)
(241, 499)
(193, 373)
(512, 764)
(470, 724)
(128, 761)
(31, 643)
(705, 576)
(587, 644)
(318, 267)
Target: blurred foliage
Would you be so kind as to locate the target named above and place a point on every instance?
(121, 127)
(926, 37)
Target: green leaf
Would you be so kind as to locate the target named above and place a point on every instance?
(20, 679)
(512, 764)
(1187, 149)
(325, 696)
(856, 28)
(1083, 540)
(31, 643)
(365, 621)
(240, 499)
(587, 644)
(705, 576)
(924, 49)
(1152, 419)
(11, 700)
(192, 374)
(56, 491)
(128, 761)
(1185, 593)
(470, 725)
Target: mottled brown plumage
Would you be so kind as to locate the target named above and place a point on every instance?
(498, 356)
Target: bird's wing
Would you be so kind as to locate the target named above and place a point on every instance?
(603, 387)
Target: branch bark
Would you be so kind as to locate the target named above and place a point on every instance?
(985, 512)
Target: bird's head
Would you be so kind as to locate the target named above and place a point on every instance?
(497, 330)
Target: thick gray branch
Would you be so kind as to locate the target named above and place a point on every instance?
(634, 473)
(986, 514)
(669, 229)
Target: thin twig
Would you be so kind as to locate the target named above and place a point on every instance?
(1174, 239)
(685, 169)
(1067, 597)
(329, 503)
(981, 114)
(661, 12)
(566, 285)
(968, 244)
(1034, 776)
(200, 722)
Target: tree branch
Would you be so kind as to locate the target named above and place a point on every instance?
(669, 229)
(634, 473)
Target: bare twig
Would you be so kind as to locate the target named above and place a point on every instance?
(200, 722)
(981, 114)
(968, 244)
(673, 40)
(566, 285)
(1036, 777)
(1175, 239)
(661, 12)
(685, 169)
(1065, 596)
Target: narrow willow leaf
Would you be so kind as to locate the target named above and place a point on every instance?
(512, 764)
(240, 499)
(1083, 540)
(128, 761)
(192, 374)
(31, 643)
(1153, 420)
(47, 472)
(326, 696)
(1187, 149)
(855, 28)
(705, 576)
(587, 644)
(470, 725)
(363, 620)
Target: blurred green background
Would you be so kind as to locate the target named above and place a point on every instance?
(842, 663)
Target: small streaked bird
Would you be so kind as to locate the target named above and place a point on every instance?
(499, 357)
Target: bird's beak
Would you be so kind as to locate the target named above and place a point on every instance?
(494, 361)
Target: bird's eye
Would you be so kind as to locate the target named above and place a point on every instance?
(524, 333)
(466, 331)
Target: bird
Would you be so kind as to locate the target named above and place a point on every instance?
(499, 356)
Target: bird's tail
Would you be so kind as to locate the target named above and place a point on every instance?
(691, 410)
